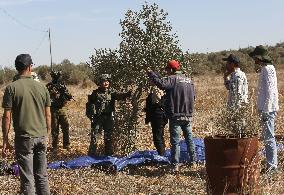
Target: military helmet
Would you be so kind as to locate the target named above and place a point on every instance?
(105, 77)
(55, 74)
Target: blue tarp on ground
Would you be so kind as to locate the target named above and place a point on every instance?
(136, 158)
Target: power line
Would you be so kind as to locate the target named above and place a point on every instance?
(33, 29)
(21, 23)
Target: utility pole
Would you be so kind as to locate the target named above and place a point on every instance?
(51, 66)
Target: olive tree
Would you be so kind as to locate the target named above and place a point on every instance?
(147, 42)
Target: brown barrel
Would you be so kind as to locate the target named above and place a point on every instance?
(232, 165)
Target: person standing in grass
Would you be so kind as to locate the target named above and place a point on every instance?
(235, 82)
(155, 114)
(267, 102)
(59, 95)
(179, 106)
(100, 110)
(28, 102)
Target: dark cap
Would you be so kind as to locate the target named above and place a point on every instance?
(261, 53)
(232, 58)
(23, 61)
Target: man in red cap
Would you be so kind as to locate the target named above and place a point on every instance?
(179, 103)
(173, 64)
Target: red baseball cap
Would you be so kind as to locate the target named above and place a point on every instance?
(173, 64)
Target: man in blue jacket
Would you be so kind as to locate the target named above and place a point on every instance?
(179, 105)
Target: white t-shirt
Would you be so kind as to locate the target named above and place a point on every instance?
(267, 100)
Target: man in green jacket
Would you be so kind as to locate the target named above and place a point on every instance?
(28, 103)
(100, 110)
(59, 96)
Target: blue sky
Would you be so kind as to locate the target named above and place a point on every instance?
(79, 26)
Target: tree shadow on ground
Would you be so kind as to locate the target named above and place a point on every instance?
(159, 170)
(108, 169)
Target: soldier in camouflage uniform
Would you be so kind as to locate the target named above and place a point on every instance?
(59, 96)
(99, 109)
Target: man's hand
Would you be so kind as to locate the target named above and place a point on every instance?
(226, 73)
(148, 70)
(7, 148)
(48, 141)
(6, 121)
(226, 76)
(148, 125)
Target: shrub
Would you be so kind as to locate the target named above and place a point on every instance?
(6, 75)
(43, 72)
(87, 83)
(237, 122)
(76, 77)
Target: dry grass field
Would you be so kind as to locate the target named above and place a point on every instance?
(210, 95)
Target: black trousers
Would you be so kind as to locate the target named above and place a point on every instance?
(158, 125)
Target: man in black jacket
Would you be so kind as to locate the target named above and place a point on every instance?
(179, 104)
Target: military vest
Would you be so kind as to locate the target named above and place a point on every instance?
(100, 102)
(59, 94)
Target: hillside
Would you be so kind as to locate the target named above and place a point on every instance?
(202, 64)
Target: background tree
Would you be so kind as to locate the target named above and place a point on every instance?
(43, 72)
(110, 61)
(147, 42)
(6, 75)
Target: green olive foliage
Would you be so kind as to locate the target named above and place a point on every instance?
(147, 42)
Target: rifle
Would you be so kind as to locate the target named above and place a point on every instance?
(66, 96)
(59, 94)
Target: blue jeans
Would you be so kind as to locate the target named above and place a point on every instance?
(268, 136)
(175, 129)
(31, 158)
